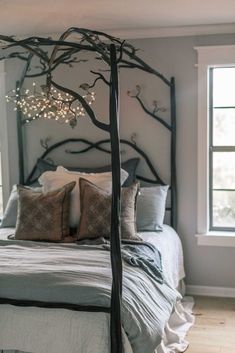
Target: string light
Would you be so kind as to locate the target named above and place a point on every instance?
(49, 104)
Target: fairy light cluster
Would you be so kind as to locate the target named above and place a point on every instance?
(49, 104)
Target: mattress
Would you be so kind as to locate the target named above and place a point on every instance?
(58, 330)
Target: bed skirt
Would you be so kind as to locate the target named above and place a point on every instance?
(173, 341)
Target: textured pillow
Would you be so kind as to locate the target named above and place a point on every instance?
(129, 166)
(54, 180)
(43, 216)
(10, 213)
(96, 211)
(151, 206)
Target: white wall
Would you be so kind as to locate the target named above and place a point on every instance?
(173, 57)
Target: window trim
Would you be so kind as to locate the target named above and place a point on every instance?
(208, 56)
(4, 136)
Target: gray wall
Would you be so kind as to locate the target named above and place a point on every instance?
(210, 266)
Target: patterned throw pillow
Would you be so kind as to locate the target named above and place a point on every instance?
(54, 180)
(43, 216)
(10, 213)
(96, 211)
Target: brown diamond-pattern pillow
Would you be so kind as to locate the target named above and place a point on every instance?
(96, 211)
(43, 216)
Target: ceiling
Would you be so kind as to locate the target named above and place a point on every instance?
(128, 18)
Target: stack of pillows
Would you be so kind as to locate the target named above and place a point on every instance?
(78, 203)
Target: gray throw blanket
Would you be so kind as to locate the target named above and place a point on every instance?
(143, 255)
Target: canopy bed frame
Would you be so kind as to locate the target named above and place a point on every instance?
(116, 54)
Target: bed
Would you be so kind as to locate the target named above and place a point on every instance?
(31, 329)
(58, 297)
(39, 265)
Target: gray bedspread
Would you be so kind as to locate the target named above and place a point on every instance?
(81, 274)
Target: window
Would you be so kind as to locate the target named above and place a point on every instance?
(216, 146)
(222, 148)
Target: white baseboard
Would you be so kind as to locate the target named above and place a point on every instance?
(210, 291)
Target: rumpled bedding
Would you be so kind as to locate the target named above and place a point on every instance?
(40, 330)
(76, 274)
(143, 255)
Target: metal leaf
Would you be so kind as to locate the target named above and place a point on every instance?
(84, 86)
(73, 123)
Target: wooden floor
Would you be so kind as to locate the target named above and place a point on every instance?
(214, 330)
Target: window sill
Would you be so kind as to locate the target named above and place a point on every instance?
(225, 239)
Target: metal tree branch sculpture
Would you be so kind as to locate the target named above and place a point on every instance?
(116, 54)
(155, 110)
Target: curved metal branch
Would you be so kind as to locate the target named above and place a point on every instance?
(91, 145)
(142, 66)
(25, 43)
(45, 71)
(37, 41)
(100, 77)
(26, 68)
(67, 54)
(121, 52)
(147, 111)
(152, 114)
(88, 38)
(105, 35)
(15, 55)
(96, 45)
(50, 149)
(97, 145)
(85, 105)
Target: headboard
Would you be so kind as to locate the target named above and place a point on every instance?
(78, 146)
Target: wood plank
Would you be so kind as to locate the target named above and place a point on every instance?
(214, 329)
(203, 349)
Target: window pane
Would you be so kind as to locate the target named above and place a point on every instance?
(1, 204)
(1, 201)
(224, 209)
(223, 170)
(224, 127)
(0, 171)
(223, 87)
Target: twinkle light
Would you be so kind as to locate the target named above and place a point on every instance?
(49, 103)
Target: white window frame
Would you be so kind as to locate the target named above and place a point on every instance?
(208, 56)
(4, 135)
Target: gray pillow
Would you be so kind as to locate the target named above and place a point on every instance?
(10, 213)
(151, 204)
(129, 166)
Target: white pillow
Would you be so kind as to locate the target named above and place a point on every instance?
(55, 179)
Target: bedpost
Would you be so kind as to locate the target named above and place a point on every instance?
(20, 141)
(173, 156)
(116, 260)
(19, 85)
